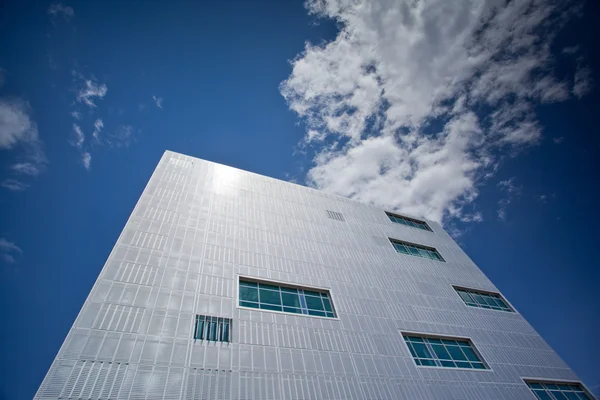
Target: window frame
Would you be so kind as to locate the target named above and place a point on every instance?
(240, 277)
(220, 321)
(483, 291)
(428, 335)
(527, 380)
(400, 216)
(418, 246)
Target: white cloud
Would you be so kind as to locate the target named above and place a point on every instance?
(79, 136)
(18, 130)
(396, 107)
(582, 81)
(9, 250)
(98, 125)
(510, 192)
(76, 115)
(88, 89)
(26, 168)
(86, 160)
(158, 101)
(57, 9)
(14, 185)
(121, 137)
(558, 140)
(570, 50)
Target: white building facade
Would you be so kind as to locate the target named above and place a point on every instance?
(225, 284)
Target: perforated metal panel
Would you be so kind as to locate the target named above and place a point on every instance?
(200, 225)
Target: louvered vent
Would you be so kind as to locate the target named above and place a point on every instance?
(214, 329)
(335, 215)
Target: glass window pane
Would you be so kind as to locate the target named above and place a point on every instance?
(248, 304)
(571, 395)
(248, 293)
(478, 365)
(289, 290)
(471, 356)
(270, 297)
(414, 250)
(428, 363)
(456, 353)
(465, 296)
(441, 352)
(317, 313)
(270, 307)
(249, 284)
(200, 329)
(535, 385)
(447, 364)
(314, 303)
(421, 350)
(267, 286)
(290, 299)
(312, 293)
(462, 364)
(292, 310)
(542, 395)
(558, 395)
(327, 304)
(330, 314)
(400, 248)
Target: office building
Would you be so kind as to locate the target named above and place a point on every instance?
(225, 284)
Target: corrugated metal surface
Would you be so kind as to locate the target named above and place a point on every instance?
(198, 225)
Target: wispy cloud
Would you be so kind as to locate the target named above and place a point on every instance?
(396, 105)
(26, 168)
(9, 250)
(59, 9)
(88, 89)
(86, 160)
(510, 191)
(558, 140)
(121, 137)
(76, 115)
(98, 125)
(19, 132)
(158, 101)
(79, 137)
(582, 81)
(14, 185)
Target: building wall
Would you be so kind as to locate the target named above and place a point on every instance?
(199, 225)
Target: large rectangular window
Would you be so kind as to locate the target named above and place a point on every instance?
(290, 299)
(431, 351)
(547, 390)
(476, 298)
(215, 329)
(415, 223)
(416, 250)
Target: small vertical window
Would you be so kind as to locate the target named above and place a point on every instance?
(433, 351)
(477, 298)
(214, 329)
(551, 390)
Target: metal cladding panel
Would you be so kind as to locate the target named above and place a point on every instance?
(198, 226)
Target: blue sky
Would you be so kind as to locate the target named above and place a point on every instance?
(486, 126)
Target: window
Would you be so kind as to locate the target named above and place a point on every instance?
(415, 223)
(476, 298)
(430, 351)
(215, 329)
(275, 297)
(416, 250)
(546, 390)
